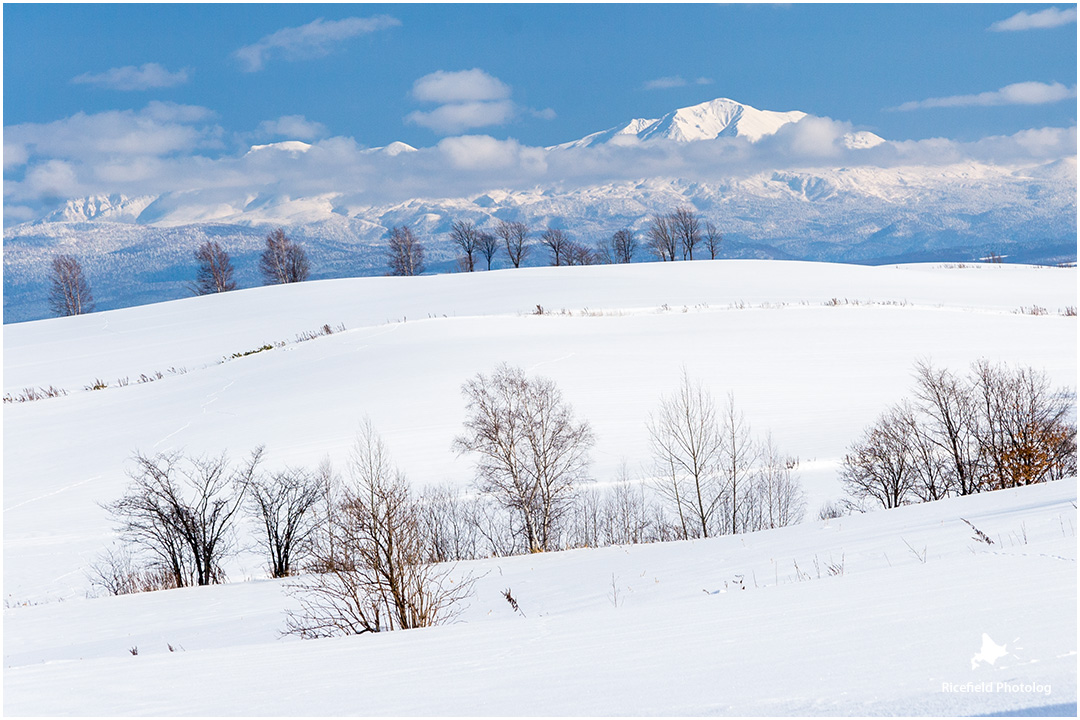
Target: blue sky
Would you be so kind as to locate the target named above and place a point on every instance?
(95, 94)
(588, 65)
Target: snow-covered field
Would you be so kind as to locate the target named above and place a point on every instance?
(812, 352)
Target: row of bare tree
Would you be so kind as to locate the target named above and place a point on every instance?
(996, 427)
(669, 237)
(282, 261)
(370, 545)
(361, 541)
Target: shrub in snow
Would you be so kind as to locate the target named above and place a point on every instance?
(372, 575)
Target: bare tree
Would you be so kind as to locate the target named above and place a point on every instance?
(488, 245)
(530, 449)
(777, 495)
(405, 251)
(663, 241)
(712, 239)
(515, 237)
(214, 273)
(951, 423)
(284, 503)
(576, 254)
(686, 443)
(998, 427)
(181, 511)
(738, 456)
(467, 237)
(932, 471)
(623, 245)
(70, 292)
(1027, 429)
(375, 578)
(558, 242)
(450, 524)
(880, 464)
(283, 261)
(687, 227)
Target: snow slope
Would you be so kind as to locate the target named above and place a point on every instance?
(743, 625)
(813, 352)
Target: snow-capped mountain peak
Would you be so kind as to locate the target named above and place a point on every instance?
(717, 118)
(111, 208)
(721, 117)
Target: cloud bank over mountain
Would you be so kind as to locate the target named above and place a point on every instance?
(168, 148)
(133, 193)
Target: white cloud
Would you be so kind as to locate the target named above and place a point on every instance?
(479, 152)
(296, 127)
(15, 154)
(811, 137)
(665, 83)
(53, 178)
(460, 86)
(1024, 93)
(129, 77)
(674, 81)
(158, 129)
(175, 112)
(315, 39)
(458, 117)
(1048, 18)
(467, 99)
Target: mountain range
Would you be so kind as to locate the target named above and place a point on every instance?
(729, 161)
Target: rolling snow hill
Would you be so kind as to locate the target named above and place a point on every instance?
(750, 624)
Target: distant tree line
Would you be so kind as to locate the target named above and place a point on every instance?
(673, 236)
(669, 237)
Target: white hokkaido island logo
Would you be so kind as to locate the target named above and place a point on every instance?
(990, 652)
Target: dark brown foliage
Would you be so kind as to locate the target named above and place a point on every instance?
(372, 575)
